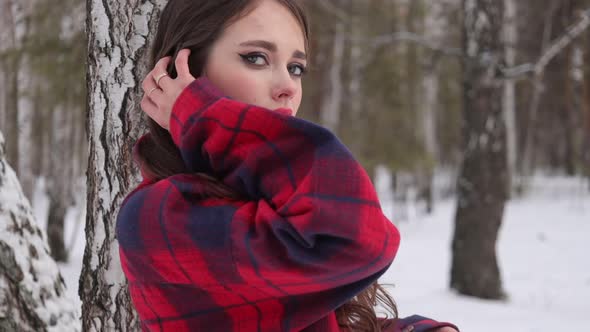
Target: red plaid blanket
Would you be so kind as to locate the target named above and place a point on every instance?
(310, 237)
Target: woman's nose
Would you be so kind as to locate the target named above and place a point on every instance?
(284, 87)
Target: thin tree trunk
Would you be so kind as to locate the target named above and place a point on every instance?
(115, 68)
(10, 66)
(568, 126)
(58, 184)
(11, 111)
(8, 69)
(435, 29)
(511, 38)
(586, 107)
(331, 102)
(570, 123)
(355, 98)
(22, 11)
(528, 152)
(483, 180)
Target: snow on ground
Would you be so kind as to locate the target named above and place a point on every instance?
(74, 238)
(543, 254)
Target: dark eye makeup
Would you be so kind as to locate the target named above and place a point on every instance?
(255, 59)
(252, 58)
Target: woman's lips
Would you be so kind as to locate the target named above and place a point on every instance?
(285, 111)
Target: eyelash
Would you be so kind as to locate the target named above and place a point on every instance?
(249, 56)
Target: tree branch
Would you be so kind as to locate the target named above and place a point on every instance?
(552, 50)
(537, 67)
(383, 40)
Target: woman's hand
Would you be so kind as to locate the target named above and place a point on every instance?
(161, 91)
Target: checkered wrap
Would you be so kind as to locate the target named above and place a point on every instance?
(310, 237)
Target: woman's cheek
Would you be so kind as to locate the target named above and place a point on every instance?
(246, 88)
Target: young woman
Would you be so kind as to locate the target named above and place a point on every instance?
(248, 218)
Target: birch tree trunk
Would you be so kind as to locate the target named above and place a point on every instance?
(483, 180)
(119, 35)
(8, 92)
(355, 98)
(509, 106)
(32, 291)
(434, 29)
(586, 107)
(435, 24)
(22, 11)
(331, 101)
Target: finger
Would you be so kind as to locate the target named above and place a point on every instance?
(149, 107)
(164, 81)
(154, 113)
(160, 67)
(145, 83)
(156, 96)
(181, 64)
(408, 328)
(149, 82)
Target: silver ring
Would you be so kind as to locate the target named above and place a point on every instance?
(159, 78)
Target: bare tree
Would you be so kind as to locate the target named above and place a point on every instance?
(25, 101)
(511, 38)
(32, 291)
(483, 181)
(17, 88)
(331, 102)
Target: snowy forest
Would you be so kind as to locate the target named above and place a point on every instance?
(472, 118)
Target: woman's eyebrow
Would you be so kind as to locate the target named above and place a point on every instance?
(272, 47)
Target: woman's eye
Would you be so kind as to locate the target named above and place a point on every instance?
(255, 59)
(297, 70)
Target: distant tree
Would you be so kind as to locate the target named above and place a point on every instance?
(483, 179)
(8, 85)
(58, 54)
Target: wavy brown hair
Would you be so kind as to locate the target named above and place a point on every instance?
(196, 25)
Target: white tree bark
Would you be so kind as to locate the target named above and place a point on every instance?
(511, 38)
(434, 28)
(32, 291)
(8, 65)
(22, 11)
(355, 66)
(330, 112)
(119, 34)
(6, 42)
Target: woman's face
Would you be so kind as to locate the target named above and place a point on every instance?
(259, 59)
